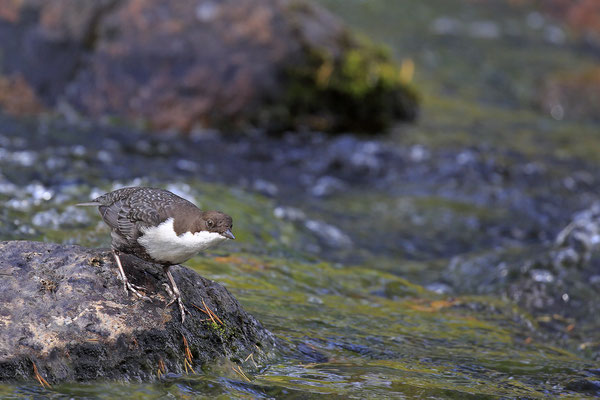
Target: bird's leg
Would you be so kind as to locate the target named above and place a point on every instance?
(176, 295)
(126, 284)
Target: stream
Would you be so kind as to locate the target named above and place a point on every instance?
(419, 264)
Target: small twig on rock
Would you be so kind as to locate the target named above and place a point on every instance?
(188, 353)
(239, 371)
(251, 357)
(188, 367)
(161, 368)
(39, 377)
(205, 312)
(214, 318)
(187, 363)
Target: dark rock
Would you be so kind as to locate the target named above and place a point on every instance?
(579, 239)
(64, 309)
(189, 64)
(587, 386)
(309, 353)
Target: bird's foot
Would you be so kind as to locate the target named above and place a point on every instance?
(130, 287)
(127, 286)
(176, 297)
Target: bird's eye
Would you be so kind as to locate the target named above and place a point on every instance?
(210, 223)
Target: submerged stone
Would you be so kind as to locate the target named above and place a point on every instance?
(64, 310)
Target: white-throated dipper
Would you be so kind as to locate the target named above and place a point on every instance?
(161, 227)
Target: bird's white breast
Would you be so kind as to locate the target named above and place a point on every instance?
(163, 244)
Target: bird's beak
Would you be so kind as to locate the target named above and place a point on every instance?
(228, 234)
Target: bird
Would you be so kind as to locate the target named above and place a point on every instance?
(158, 226)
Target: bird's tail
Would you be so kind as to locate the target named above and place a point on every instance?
(89, 203)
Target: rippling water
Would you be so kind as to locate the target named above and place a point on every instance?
(355, 331)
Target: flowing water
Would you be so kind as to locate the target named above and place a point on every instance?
(390, 268)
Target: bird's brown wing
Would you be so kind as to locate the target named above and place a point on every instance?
(128, 210)
(123, 211)
(116, 216)
(153, 206)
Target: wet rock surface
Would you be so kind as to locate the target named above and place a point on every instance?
(64, 310)
(194, 64)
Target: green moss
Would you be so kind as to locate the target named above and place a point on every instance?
(361, 90)
(217, 328)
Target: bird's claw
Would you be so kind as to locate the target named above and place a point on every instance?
(175, 298)
(129, 287)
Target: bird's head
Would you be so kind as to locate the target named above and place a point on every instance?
(216, 221)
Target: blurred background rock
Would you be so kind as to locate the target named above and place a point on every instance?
(184, 65)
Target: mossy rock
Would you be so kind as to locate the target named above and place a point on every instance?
(269, 64)
(362, 90)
